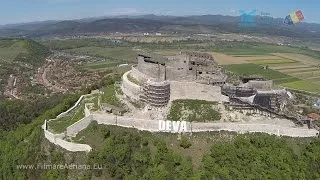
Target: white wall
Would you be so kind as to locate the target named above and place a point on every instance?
(139, 75)
(74, 106)
(73, 147)
(57, 139)
(151, 69)
(140, 124)
(86, 110)
(129, 88)
(196, 91)
(75, 128)
(263, 128)
(153, 126)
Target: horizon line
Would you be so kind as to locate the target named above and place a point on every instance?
(130, 15)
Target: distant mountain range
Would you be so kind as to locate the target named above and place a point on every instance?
(154, 23)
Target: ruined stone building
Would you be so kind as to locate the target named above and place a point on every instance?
(189, 66)
(204, 68)
(151, 77)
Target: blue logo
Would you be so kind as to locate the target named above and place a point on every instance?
(248, 18)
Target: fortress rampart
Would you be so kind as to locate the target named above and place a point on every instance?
(129, 88)
(153, 126)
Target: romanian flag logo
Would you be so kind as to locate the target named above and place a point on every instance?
(294, 18)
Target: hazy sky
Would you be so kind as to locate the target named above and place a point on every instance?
(16, 11)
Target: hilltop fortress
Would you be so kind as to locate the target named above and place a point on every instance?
(253, 106)
(154, 78)
(156, 81)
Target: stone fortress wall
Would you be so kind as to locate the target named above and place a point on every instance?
(139, 75)
(129, 88)
(177, 69)
(153, 126)
(74, 106)
(78, 126)
(196, 91)
(86, 110)
(151, 68)
(57, 139)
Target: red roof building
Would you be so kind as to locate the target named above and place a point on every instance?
(314, 116)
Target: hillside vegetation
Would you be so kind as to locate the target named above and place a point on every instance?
(130, 154)
(35, 55)
(22, 50)
(16, 112)
(20, 57)
(23, 145)
(193, 110)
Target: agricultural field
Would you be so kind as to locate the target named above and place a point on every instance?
(150, 39)
(167, 52)
(303, 86)
(254, 69)
(271, 61)
(243, 49)
(119, 54)
(101, 65)
(224, 59)
(291, 70)
(113, 57)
